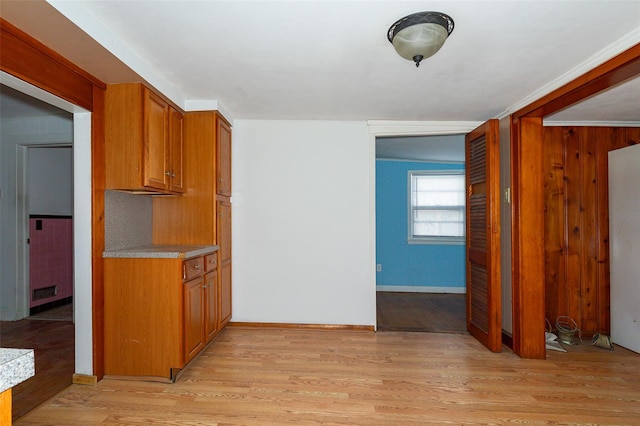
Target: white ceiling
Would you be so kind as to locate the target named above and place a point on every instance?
(331, 60)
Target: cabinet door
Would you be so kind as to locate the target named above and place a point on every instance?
(223, 158)
(176, 126)
(155, 141)
(211, 304)
(193, 318)
(223, 229)
(224, 293)
(223, 232)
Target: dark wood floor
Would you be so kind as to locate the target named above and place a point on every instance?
(430, 312)
(53, 344)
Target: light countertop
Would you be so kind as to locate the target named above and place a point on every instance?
(161, 251)
(16, 366)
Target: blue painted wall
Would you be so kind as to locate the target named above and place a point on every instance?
(404, 264)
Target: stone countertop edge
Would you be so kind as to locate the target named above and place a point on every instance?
(161, 251)
(16, 366)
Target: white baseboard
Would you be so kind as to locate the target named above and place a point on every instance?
(421, 289)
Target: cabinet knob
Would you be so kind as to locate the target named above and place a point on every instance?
(196, 266)
(167, 174)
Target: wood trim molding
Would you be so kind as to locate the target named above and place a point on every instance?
(527, 240)
(84, 379)
(31, 61)
(616, 70)
(27, 59)
(97, 227)
(303, 326)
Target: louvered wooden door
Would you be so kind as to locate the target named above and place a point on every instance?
(484, 315)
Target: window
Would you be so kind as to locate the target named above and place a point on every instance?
(436, 207)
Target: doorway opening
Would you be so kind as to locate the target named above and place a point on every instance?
(35, 122)
(420, 280)
(49, 193)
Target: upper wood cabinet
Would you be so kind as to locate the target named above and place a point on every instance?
(143, 141)
(223, 157)
(176, 150)
(191, 218)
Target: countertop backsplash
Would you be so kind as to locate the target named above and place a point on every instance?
(128, 220)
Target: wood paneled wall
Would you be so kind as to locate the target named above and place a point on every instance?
(577, 222)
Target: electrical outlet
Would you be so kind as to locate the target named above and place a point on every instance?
(379, 267)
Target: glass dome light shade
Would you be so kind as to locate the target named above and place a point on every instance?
(420, 35)
(420, 40)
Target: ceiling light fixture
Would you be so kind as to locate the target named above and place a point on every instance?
(420, 35)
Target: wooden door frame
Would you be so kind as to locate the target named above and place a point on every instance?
(528, 195)
(31, 61)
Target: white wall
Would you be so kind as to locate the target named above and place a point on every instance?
(624, 217)
(51, 181)
(302, 223)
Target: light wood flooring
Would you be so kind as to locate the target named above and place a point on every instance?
(265, 376)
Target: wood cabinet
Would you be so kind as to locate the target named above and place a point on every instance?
(223, 158)
(193, 304)
(159, 314)
(224, 257)
(203, 214)
(191, 219)
(211, 297)
(143, 141)
(176, 151)
(193, 318)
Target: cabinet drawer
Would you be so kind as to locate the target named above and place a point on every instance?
(192, 268)
(210, 262)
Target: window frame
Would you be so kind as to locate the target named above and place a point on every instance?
(434, 240)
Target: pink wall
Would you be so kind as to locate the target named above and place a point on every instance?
(51, 257)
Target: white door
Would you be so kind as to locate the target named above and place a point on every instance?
(624, 230)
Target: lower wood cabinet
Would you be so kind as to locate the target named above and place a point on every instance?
(193, 318)
(201, 322)
(159, 313)
(211, 306)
